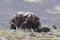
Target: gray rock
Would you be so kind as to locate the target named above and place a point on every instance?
(2, 38)
(58, 35)
(32, 35)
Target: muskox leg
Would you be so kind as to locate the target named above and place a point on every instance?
(29, 28)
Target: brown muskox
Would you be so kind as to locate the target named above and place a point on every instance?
(43, 29)
(54, 26)
(25, 20)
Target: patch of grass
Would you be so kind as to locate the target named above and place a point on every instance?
(24, 35)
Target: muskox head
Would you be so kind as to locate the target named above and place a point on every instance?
(17, 20)
(25, 20)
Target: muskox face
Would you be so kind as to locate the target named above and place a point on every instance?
(16, 21)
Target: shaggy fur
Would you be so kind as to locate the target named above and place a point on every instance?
(26, 20)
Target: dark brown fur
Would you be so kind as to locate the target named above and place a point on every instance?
(29, 21)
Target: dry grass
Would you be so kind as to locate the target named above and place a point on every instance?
(23, 35)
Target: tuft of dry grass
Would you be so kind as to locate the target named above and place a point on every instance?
(25, 35)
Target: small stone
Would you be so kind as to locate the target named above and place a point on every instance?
(51, 34)
(57, 35)
(2, 38)
(32, 35)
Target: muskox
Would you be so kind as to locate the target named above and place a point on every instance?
(54, 26)
(25, 20)
(43, 29)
